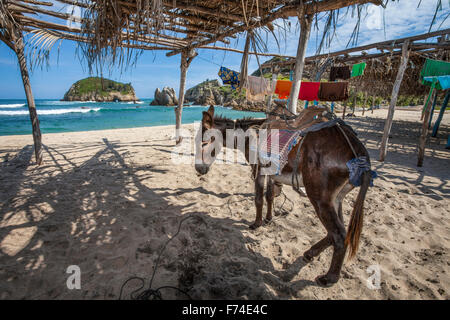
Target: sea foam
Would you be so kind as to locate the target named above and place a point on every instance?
(48, 112)
(14, 105)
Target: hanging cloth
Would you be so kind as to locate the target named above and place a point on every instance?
(283, 88)
(229, 77)
(333, 91)
(257, 88)
(309, 91)
(340, 73)
(258, 85)
(358, 69)
(433, 68)
(442, 82)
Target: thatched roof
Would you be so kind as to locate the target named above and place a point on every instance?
(108, 26)
(111, 30)
(382, 63)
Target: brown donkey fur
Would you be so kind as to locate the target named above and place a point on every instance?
(325, 177)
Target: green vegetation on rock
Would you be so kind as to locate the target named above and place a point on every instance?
(100, 89)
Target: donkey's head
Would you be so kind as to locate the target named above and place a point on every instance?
(209, 142)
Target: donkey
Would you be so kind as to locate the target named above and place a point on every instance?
(322, 171)
(222, 123)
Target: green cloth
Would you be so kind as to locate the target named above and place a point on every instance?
(433, 68)
(358, 69)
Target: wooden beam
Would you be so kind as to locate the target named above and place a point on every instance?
(78, 38)
(64, 16)
(197, 9)
(395, 90)
(55, 26)
(241, 51)
(40, 3)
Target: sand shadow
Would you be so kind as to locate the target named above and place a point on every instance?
(103, 215)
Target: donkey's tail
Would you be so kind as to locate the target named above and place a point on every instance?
(356, 220)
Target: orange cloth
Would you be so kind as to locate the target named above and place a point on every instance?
(283, 88)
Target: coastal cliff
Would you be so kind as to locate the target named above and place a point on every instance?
(100, 90)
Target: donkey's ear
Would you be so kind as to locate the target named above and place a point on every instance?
(211, 110)
(207, 120)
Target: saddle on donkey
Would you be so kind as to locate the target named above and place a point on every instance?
(285, 130)
(291, 130)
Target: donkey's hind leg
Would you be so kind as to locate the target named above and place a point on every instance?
(340, 196)
(316, 249)
(336, 234)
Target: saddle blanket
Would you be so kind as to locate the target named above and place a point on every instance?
(276, 147)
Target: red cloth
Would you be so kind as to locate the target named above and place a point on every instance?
(309, 91)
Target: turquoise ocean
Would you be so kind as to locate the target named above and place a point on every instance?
(63, 116)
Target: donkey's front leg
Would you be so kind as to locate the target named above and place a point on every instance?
(259, 201)
(270, 195)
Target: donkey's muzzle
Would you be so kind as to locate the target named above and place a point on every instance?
(202, 168)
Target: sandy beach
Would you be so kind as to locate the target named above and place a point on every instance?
(108, 201)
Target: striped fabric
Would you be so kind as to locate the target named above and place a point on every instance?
(277, 146)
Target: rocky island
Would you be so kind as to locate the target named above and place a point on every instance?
(100, 90)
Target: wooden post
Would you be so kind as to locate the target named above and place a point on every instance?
(364, 104)
(424, 133)
(244, 63)
(274, 78)
(186, 58)
(432, 109)
(441, 114)
(19, 48)
(318, 76)
(305, 25)
(354, 103)
(345, 108)
(373, 103)
(395, 90)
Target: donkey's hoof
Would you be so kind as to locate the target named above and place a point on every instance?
(326, 280)
(308, 257)
(255, 225)
(267, 220)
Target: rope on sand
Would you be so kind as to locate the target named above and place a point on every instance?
(155, 294)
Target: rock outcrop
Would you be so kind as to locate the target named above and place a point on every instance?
(210, 92)
(206, 93)
(166, 97)
(100, 90)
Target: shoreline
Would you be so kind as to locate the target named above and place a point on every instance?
(412, 115)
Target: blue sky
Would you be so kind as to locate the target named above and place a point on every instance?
(155, 70)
